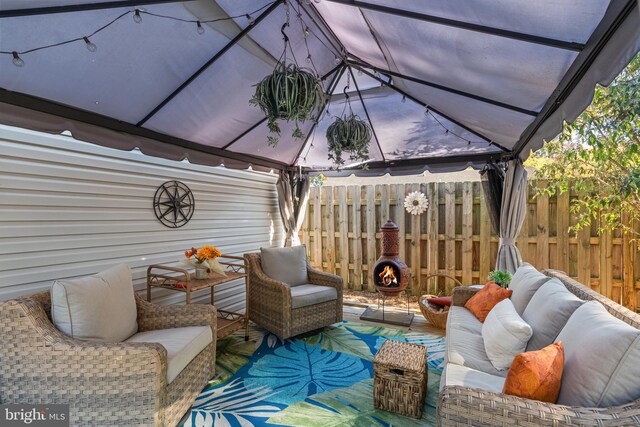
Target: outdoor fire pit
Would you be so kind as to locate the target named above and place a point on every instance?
(391, 277)
(390, 274)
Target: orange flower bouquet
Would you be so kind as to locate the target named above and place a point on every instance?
(204, 260)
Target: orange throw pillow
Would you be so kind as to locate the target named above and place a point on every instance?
(485, 299)
(537, 375)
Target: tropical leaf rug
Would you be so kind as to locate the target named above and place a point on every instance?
(325, 379)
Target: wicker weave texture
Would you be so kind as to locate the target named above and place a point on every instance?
(463, 406)
(434, 315)
(104, 383)
(400, 378)
(270, 302)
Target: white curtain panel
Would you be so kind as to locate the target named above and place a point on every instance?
(512, 212)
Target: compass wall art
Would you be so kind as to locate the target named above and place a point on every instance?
(173, 204)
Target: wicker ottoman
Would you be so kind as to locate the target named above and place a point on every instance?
(400, 378)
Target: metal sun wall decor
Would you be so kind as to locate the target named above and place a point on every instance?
(173, 204)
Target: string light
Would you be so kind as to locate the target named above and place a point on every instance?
(404, 99)
(137, 18)
(307, 31)
(90, 46)
(250, 19)
(17, 61)
(337, 59)
(308, 58)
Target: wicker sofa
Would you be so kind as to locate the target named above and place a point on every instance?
(105, 383)
(271, 303)
(475, 404)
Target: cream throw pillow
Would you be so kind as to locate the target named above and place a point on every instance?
(101, 307)
(505, 334)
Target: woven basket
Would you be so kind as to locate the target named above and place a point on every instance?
(431, 313)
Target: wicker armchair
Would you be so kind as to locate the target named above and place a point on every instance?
(270, 302)
(464, 406)
(104, 383)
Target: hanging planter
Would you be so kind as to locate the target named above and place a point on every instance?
(348, 134)
(288, 93)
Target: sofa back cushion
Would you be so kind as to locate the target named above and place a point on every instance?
(524, 284)
(287, 265)
(548, 312)
(101, 307)
(602, 359)
(485, 299)
(505, 334)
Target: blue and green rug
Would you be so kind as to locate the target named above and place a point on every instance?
(324, 379)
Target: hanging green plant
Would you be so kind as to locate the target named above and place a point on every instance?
(348, 134)
(288, 93)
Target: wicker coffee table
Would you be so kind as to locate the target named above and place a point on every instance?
(400, 378)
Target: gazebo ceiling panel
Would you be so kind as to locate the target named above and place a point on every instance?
(496, 123)
(256, 142)
(519, 74)
(211, 110)
(570, 21)
(128, 75)
(348, 24)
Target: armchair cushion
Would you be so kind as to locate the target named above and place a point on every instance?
(307, 294)
(101, 307)
(287, 265)
(182, 345)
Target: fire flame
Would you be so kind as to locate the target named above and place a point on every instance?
(387, 276)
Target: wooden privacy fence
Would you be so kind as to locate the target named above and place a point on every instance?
(454, 237)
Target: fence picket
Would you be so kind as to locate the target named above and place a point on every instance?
(357, 236)
(371, 235)
(343, 234)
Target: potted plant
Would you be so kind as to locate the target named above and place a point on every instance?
(500, 277)
(348, 134)
(288, 93)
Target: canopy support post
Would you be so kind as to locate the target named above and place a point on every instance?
(366, 112)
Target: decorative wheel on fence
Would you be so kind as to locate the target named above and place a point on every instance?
(173, 204)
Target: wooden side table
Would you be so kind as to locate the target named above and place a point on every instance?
(179, 279)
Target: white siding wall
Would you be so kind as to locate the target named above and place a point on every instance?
(69, 209)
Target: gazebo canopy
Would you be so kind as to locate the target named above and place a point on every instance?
(443, 84)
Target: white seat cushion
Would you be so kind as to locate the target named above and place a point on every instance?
(101, 307)
(182, 344)
(467, 349)
(468, 377)
(287, 265)
(548, 312)
(505, 334)
(307, 294)
(601, 359)
(525, 283)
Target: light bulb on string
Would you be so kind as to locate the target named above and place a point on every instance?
(17, 61)
(308, 59)
(307, 31)
(199, 28)
(91, 47)
(359, 72)
(250, 19)
(446, 131)
(137, 18)
(404, 99)
(337, 59)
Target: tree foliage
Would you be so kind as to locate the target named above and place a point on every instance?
(598, 155)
